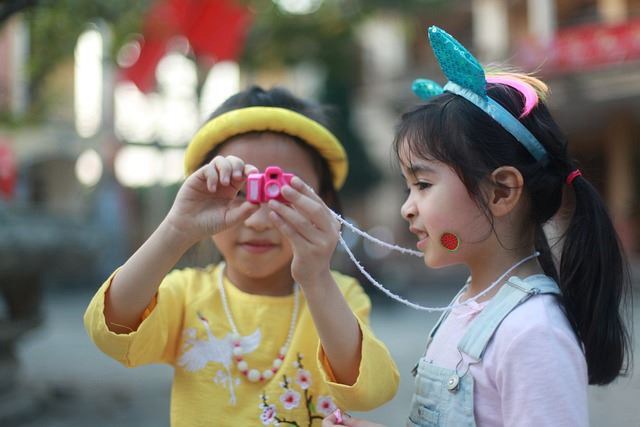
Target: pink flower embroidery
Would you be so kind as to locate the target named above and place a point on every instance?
(290, 399)
(303, 378)
(326, 405)
(268, 415)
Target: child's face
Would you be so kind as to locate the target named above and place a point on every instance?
(438, 203)
(255, 249)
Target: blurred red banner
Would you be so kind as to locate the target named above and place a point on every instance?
(583, 47)
(216, 29)
(8, 171)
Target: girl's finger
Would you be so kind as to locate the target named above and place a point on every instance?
(294, 237)
(329, 421)
(305, 189)
(312, 207)
(296, 221)
(224, 168)
(249, 169)
(237, 167)
(211, 176)
(241, 212)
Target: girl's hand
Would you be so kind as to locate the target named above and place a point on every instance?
(209, 199)
(347, 420)
(310, 227)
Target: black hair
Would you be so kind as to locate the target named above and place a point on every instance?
(255, 96)
(593, 273)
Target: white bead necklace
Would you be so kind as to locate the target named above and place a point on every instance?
(254, 375)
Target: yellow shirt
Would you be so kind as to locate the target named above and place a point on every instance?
(187, 328)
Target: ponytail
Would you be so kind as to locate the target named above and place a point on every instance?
(594, 279)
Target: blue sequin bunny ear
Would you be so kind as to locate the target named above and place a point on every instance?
(456, 62)
(467, 79)
(425, 89)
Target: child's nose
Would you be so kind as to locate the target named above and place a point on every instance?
(259, 220)
(408, 210)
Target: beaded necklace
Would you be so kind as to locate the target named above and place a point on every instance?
(254, 375)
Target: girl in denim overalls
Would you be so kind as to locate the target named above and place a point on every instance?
(486, 168)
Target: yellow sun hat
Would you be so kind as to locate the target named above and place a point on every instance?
(272, 119)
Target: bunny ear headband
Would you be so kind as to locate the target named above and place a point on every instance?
(467, 79)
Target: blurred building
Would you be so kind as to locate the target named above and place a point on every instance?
(44, 150)
(54, 225)
(588, 51)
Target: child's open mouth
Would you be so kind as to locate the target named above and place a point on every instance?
(422, 243)
(422, 237)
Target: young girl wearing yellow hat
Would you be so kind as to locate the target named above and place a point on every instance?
(270, 335)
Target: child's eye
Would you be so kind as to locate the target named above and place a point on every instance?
(422, 185)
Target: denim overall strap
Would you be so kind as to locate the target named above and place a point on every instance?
(512, 294)
(445, 313)
(438, 323)
(434, 403)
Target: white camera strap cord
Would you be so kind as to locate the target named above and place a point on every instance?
(418, 254)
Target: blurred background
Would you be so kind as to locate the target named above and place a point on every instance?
(99, 98)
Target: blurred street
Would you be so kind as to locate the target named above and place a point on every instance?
(78, 386)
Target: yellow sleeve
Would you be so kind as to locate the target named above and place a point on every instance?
(378, 377)
(155, 339)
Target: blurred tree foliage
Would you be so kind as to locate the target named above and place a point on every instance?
(326, 37)
(54, 27)
(9, 7)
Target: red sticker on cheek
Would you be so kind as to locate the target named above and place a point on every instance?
(450, 241)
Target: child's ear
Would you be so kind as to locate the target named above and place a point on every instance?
(505, 191)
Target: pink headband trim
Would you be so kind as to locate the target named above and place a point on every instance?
(530, 95)
(573, 175)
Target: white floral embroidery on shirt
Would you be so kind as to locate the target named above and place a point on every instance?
(196, 354)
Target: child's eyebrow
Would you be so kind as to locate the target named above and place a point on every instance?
(418, 168)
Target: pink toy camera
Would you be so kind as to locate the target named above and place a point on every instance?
(262, 187)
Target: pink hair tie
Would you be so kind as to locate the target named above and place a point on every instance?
(573, 175)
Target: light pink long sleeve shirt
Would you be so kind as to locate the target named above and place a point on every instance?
(533, 372)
